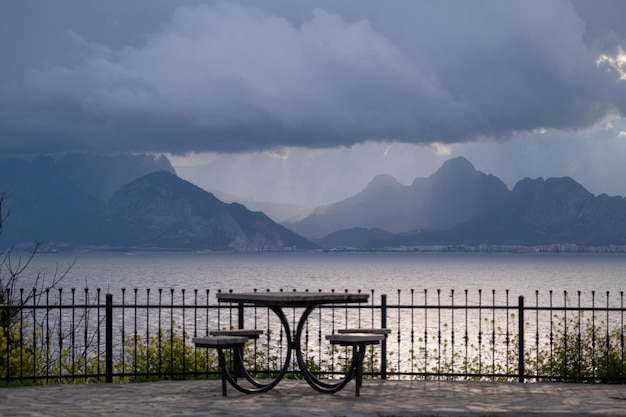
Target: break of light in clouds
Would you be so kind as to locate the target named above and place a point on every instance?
(615, 63)
(487, 79)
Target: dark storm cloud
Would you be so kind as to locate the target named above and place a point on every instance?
(248, 76)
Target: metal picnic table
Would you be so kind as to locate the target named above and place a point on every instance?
(277, 302)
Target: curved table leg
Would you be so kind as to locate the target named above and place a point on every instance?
(314, 382)
(258, 386)
(244, 372)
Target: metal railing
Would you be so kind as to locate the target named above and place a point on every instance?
(83, 336)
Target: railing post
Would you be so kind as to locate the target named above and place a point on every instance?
(240, 320)
(521, 338)
(383, 348)
(109, 339)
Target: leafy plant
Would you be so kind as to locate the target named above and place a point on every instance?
(583, 350)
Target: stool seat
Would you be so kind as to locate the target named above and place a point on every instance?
(349, 339)
(358, 342)
(249, 333)
(220, 341)
(365, 330)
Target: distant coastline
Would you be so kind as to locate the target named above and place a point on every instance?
(554, 248)
(551, 248)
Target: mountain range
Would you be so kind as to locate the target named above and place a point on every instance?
(160, 210)
(459, 205)
(454, 194)
(153, 209)
(133, 202)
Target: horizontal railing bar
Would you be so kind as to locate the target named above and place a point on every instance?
(66, 305)
(602, 309)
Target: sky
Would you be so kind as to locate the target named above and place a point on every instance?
(307, 101)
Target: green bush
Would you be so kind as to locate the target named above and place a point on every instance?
(165, 355)
(584, 351)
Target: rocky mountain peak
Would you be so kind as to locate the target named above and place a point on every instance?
(454, 194)
(383, 180)
(165, 211)
(458, 167)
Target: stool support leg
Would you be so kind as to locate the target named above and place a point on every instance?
(222, 364)
(356, 354)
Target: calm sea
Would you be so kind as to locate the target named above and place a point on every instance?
(384, 273)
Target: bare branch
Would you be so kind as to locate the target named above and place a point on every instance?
(13, 268)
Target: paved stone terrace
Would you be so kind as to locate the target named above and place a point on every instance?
(296, 398)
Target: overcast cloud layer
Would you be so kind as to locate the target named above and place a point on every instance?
(179, 77)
